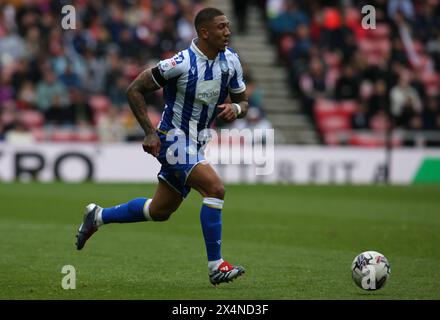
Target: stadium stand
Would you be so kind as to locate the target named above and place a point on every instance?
(356, 83)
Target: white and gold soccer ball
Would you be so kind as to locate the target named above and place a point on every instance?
(370, 270)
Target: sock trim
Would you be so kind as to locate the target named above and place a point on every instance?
(213, 203)
(98, 218)
(213, 265)
(146, 210)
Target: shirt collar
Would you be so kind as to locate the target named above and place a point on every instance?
(197, 50)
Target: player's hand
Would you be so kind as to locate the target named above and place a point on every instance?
(228, 112)
(151, 144)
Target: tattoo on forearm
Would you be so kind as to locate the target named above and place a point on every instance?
(143, 84)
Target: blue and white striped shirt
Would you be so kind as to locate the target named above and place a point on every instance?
(196, 86)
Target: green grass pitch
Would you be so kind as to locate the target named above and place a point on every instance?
(296, 242)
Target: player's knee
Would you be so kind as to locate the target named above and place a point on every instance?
(217, 191)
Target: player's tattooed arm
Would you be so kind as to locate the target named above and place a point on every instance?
(241, 99)
(143, 84)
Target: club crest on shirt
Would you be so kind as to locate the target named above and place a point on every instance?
(224, 66)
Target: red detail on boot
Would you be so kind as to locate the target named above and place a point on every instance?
(225, 267)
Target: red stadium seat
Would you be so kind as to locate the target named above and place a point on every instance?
(62, 135)
(371, 140)
(31, 118)
(382, 32)
(334, 116)
(39, 134)
(85, 135)
(99, 103)
(431, 81)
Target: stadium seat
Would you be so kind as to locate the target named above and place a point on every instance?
(62, 135)
(85, 136)
(99, 103)
(334, 116)
(31, 118)
(39, 134)
(371, 140)
(431, 81)
(382, 31)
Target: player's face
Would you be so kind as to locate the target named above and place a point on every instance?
(219, 32)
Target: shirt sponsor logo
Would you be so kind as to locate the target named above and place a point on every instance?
(208, 92)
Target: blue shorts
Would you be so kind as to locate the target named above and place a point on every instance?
(178, 158)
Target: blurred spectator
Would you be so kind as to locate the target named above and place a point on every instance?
(110, 127)
(185, 26)
(347, 86)
(360, 119)
(33, 41)
(379, 100)
(57, 114)
(288, 20)
(300, 52)
(95, 73)
(21, 74)
(129, 48)
(404, 99)
(313, 85)
(404, 6)
(12, 48)
(18, 134)
(48, 89)
(117, 91)
(27, 16)
(431, 114)
(79, 112)
(69, 78)
(255, 95)
(26, 97)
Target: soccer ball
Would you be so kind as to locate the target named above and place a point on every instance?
(370, 270)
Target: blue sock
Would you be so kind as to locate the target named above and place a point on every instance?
(132, 211)
(211, 220)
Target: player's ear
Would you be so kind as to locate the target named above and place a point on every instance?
(203, 33)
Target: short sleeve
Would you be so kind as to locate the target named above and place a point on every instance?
(237, 85)
(173, 67)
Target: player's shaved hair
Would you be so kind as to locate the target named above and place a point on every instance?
(206, 15)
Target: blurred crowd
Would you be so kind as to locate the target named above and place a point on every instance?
(69, 85)
(378, 77)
